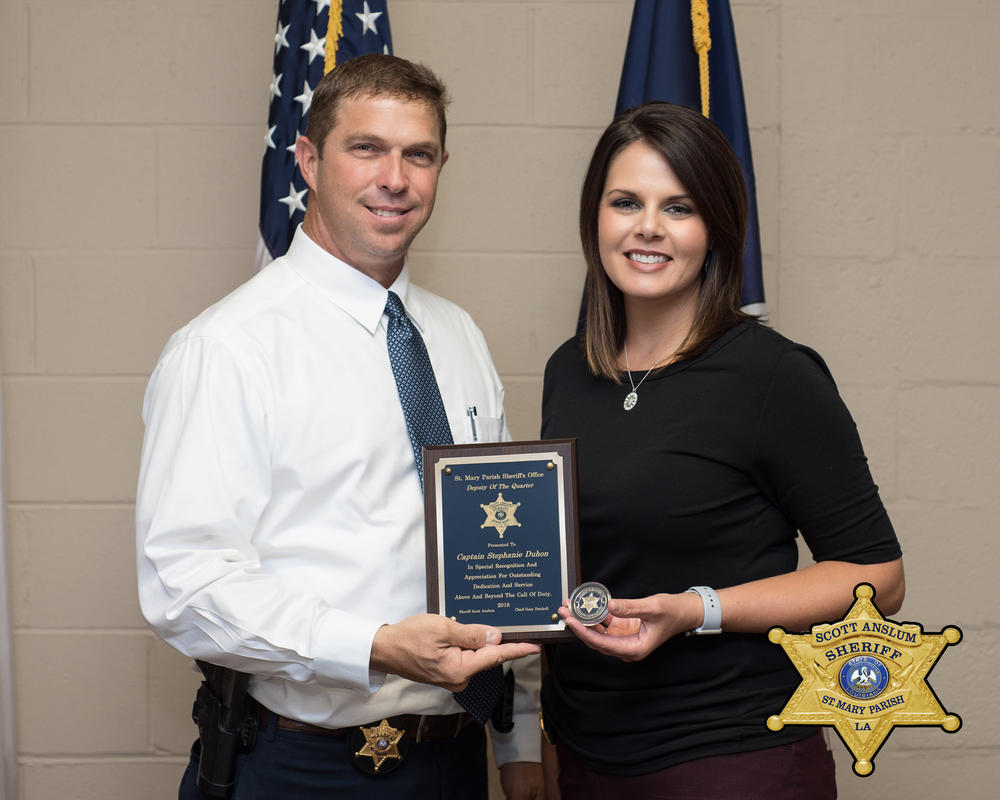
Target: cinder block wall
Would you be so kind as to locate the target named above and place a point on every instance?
(131, 136)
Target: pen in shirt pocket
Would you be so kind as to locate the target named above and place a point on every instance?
(471, 411)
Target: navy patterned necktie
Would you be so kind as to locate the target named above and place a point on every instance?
(427, 424)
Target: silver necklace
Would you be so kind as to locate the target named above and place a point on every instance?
(633, 397)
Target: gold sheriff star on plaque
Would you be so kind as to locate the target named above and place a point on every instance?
(380, 743)
(864, 675)
(500, 515)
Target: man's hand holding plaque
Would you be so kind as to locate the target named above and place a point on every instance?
(432, 649)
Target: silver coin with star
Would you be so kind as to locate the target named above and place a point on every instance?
(589, 602)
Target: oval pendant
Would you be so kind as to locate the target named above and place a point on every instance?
(630, 400)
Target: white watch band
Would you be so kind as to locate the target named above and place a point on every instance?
(713, 611)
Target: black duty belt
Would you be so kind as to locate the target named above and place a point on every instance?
(419, 727)
(379, 747)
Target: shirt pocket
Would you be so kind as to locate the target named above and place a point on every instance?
(488, 429)
(471, 428)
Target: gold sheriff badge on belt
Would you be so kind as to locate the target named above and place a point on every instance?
(500, 515)
(864, 675)
(381, 743)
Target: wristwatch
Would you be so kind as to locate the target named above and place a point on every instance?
(713, 611)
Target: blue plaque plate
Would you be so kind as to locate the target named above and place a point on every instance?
(502, 534)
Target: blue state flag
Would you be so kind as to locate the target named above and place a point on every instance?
(662, 63)
(307, 45)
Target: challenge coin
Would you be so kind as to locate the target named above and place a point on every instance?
(589, 602)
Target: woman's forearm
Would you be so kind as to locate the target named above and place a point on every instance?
(818, 593)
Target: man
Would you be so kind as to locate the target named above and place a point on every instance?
(279, 514)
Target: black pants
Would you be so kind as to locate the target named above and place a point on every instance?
(288, 765)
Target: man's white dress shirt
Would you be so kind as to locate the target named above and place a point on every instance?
(279, 515)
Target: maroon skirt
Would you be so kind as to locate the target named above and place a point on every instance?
(786, 772)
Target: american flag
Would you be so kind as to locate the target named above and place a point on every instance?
(306, 46)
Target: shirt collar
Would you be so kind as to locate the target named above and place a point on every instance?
(358, 295)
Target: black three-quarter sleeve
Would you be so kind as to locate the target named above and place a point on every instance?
(809, 461)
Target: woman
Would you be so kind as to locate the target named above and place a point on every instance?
(705, 441)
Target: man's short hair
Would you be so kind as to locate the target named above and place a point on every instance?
(374, 75)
